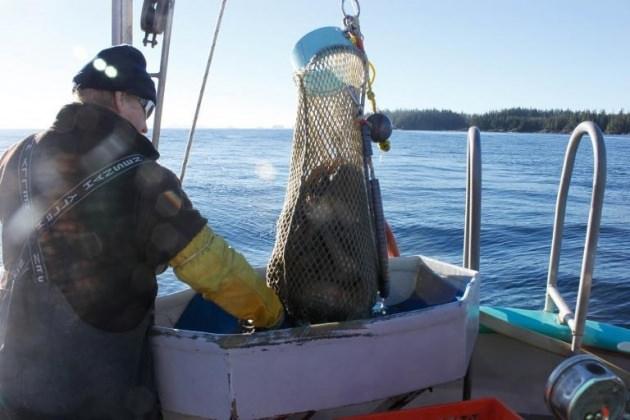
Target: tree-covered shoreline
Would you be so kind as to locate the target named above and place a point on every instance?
(519, 120)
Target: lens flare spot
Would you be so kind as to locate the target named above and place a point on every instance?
(99, 64)
(22, 223)
(265, 170)
(111, 72)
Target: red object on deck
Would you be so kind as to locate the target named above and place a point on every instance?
(392, 246)
(481, 409)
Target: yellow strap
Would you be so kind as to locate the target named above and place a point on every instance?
(370, 93)
(214, 269)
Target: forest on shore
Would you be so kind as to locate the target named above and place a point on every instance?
(521, 120)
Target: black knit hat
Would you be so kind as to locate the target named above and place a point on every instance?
(120, 68)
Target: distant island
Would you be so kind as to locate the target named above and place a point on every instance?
(521, 120)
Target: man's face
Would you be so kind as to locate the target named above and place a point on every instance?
(131, 109)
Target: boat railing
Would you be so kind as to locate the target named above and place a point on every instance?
(576, 321)
(472, 219)
(472, 216)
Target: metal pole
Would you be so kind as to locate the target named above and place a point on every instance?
(161, 76)
(558, 224)
(472, 221)
(592, 230)
(472, 218)
(122, 20)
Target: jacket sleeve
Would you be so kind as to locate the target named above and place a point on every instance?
(214, 269)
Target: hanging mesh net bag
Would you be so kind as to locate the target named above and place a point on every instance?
(324, 263)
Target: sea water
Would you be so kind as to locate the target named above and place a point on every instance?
(237, 179)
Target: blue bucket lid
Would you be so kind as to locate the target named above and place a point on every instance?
(315, 41)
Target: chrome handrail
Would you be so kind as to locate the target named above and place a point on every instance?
(553, 297)
(472, 217)
(472, 220)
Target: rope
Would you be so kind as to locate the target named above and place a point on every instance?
(203, 88)
(370, 93)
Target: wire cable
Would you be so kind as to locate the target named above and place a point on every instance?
(201, 91)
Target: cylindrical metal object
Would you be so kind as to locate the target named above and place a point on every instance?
(381, 240)
(122, 15)
(472, 217)
(582, 387)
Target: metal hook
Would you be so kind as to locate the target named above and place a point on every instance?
(352, 26)
(356, 5)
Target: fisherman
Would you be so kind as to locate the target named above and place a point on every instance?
(88, 219)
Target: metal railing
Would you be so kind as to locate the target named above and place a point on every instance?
(472, 220)
(472, 217)
(577, 321)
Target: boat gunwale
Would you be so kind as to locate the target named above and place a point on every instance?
(467, 280)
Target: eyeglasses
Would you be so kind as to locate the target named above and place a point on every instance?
(147, 105)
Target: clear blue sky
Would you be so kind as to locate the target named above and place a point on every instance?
(470, 56)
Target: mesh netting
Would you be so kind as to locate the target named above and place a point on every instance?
(324, 264)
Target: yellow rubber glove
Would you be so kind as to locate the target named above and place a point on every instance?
(214, 269)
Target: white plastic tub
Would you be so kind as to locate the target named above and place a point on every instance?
(322, 366)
